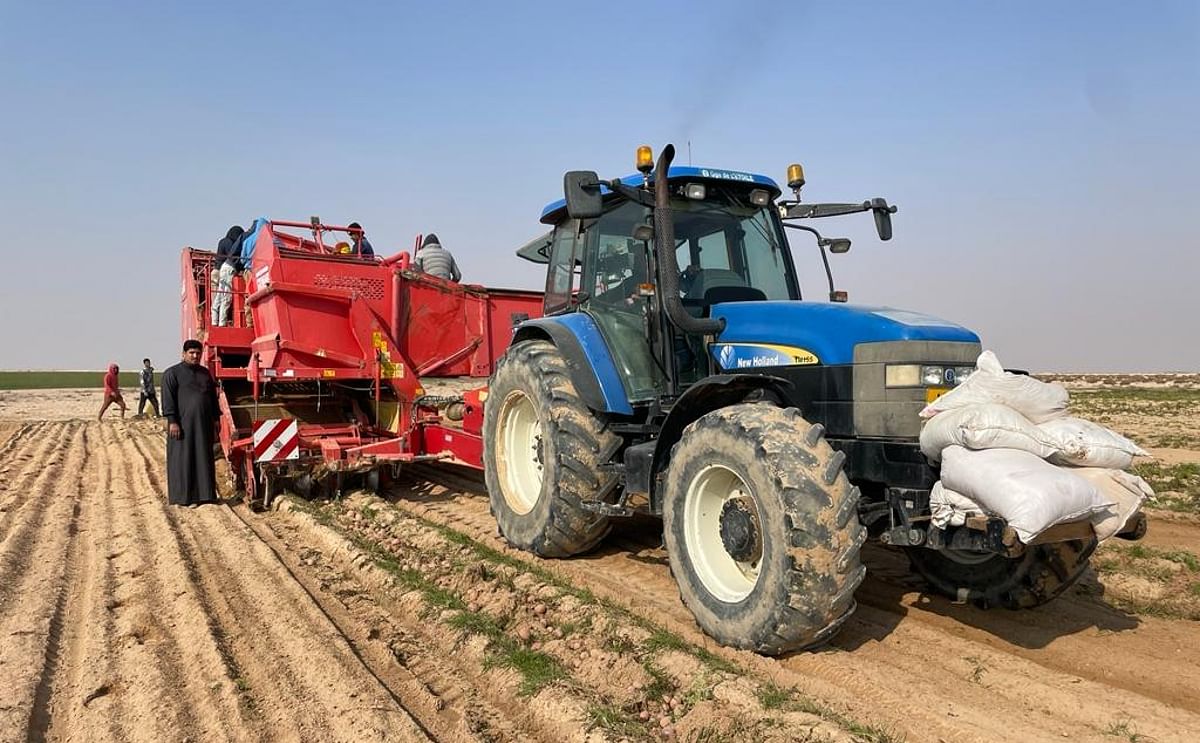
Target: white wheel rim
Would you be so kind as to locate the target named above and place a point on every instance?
(726, 578)
(520, 453)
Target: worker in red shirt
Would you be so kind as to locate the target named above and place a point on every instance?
(112, 391)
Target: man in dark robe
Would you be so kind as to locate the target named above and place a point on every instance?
(189, 396)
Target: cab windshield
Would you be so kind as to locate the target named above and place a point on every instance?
(727, 244)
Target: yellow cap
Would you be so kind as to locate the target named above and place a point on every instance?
(645, 158)
(342, 247)
(795, 176)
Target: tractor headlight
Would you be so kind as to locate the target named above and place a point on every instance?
(695, 191)
(902, 375)
(926, 375)
(961, 373)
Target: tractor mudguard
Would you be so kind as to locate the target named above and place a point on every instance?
(703, 397)
(591, 364)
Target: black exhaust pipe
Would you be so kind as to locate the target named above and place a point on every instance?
(668, 267)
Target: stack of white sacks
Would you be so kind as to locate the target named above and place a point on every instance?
(1008, 448)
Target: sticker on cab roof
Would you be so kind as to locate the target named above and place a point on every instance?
(726, 175)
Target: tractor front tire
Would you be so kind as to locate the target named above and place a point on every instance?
(762, 529)
(543, 454)
(1040, 574)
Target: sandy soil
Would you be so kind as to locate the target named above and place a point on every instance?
(1073, 669)
(57, 405)
(124, 619)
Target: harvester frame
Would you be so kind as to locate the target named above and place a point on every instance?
(340, 343)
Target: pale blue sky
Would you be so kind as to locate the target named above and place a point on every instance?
(1043, 155)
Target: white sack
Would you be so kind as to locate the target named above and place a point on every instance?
(1028, 492)
(1126, 490)
(1038, 401)
(985, 426)
(949, 508)
(1089, 444)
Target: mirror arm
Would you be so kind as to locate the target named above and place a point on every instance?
(821, 243)
(828, 271)
(806, 228)
(796, 210)
(639, 195)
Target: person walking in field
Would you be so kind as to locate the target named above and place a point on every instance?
(190, 406)
(112, 391)
(146, 378)
(435, 260)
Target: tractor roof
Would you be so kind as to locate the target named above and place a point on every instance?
(553, 212)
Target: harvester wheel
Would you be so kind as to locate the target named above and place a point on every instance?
(986, 580)
(307, 486)
(762, 529)
(250, 481)
(543, 451)
(378, 479)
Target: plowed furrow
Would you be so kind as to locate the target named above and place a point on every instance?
(36, 460)
(167, 659)
(1062, 636)
(430, 686)
(35, 560)
(1013, 696)
(82, 675)
(1031, 694)
(18, 434)
(434, 687)
(282, 644)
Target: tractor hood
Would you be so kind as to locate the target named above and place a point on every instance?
(765, 334)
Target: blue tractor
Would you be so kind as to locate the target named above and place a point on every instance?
(677, 372)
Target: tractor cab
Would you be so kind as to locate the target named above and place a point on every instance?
(729, 247)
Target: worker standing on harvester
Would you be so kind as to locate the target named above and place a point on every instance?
(190, 406)
(228, 262)
(362, 247)
(435, 260)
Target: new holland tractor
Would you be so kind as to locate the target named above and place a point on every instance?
(677, 372)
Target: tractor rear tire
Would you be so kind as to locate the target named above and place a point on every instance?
(762, 529)
(543, 454)
(987, 580)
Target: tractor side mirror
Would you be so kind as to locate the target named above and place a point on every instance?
(883, 217)
(582, 191)
(839, 245)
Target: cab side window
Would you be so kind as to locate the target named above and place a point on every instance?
(560, 278)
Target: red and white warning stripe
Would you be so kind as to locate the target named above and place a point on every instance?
(276, 439)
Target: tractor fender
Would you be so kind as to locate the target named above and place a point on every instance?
(591, 364)
(703, 397)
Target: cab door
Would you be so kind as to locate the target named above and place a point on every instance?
(615, 293)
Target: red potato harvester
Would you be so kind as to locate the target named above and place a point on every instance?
(322, 362)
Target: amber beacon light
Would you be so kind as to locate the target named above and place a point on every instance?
(645, 159)
(795, 176)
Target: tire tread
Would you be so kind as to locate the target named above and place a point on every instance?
(582, 441)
